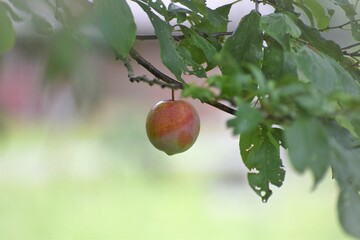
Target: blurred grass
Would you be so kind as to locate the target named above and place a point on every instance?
(81, 184)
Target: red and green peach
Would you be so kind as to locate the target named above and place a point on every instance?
(172, 126)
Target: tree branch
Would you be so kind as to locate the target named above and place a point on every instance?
(351, 46)
(180, 37)
(339, 26)
(169, 80)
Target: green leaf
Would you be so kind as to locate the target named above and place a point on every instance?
(350, 12)
(280, 27)
(307, 12)
(7, 33)
(195, 91)
(286, 5)
(12, 13)
(246, 120)
(116, 22)
(279, 135)
(279, 64)
(207, 48)
(41, 25)
(349, 210)
(245, 44)
(313, 36)
(230, 85)
(318, 12)
(21, 5)
(345, 163)
(158, 6)
(63, 56)
(326, 74)
(168, 49)
(217, 20)
(262, 158)
(308, 144)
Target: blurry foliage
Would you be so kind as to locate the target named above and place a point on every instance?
(284, 82)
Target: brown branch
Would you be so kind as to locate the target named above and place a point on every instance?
(169, 80)
(351, 46)
(339, 26)
(180, 37)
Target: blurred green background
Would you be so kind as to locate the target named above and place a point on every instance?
(100, 178)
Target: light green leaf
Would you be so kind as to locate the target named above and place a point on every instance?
(318, 12)
(41, 25)
(195, 91)
(7, 33)
(326, 74)
(280, 27)
(308, 144)
(307, 12)
(246, 120)
(351, 13)
(345, 163)
(12, 13)
(230, 85)
(245, 45)
(116, 22)
(349, 210)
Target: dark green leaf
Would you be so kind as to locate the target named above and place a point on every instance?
(280, 27)
(262, 158)
(168, 50)
(208, 49)
(246, 120)
(116, 22)
(279, 135)
(308, 144)
(245, 45)
(193, 67)
(7, 33)
(197, 6)
(217, 20)
(158, 6)
(313, 36)
(41, 25)
(279, 64)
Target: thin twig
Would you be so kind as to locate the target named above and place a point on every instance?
(339, 26)
(169, 80)
(180, 37)
(353, 54)
(351, 46)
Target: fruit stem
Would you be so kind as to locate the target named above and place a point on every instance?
(172, 95)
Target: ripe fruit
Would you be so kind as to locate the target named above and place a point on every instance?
(173, 126)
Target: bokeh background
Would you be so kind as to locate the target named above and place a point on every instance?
(75, 161)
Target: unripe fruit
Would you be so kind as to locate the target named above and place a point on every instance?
(173, 126)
